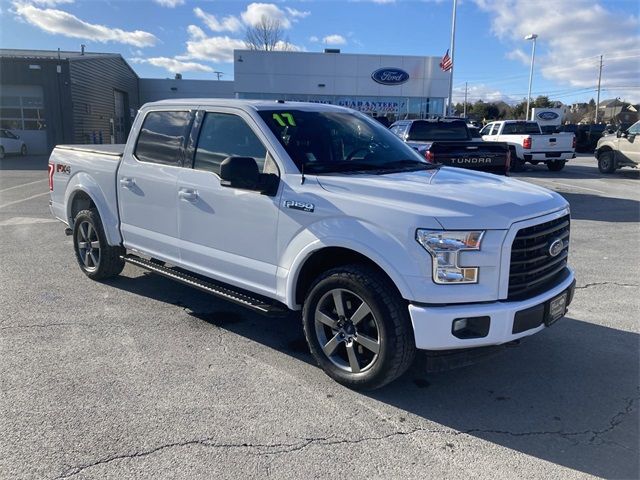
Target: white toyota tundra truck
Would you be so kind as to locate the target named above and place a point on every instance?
(294, 206)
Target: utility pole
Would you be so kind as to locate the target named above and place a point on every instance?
(218, 74)
(533, 37)
(452, 50)
(598, 97)
(465, 99)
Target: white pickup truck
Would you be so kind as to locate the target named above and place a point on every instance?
(295, 206)
(529, 144)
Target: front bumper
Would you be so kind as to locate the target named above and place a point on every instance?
(432, 326)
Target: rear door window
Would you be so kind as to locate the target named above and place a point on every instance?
(162, 137)
(224, 135)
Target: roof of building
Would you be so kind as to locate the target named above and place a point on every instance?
(52, 54)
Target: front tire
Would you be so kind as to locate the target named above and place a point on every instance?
(97, 259)
(23, 150)
(606, 162)
(357, 327)
(1, 153)
(556, 165)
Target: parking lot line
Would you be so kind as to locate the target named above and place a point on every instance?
(23, 185)
(24, 199)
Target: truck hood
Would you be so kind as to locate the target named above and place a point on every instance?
(458, 199)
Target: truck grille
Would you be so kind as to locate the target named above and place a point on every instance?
(532, 266)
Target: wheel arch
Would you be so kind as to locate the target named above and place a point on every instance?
(82, 193)
(604, 148)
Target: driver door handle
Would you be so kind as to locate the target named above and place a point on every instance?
(127, 182)
(188, 194)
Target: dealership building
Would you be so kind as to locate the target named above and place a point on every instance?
(50, 97)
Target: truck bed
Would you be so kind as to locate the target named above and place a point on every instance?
(113, 150)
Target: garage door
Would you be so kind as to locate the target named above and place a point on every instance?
(22, 112)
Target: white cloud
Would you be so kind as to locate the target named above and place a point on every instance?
(482, 92)
(334, 39)
(227, 24)
(63, 23)
(50, 3)
(195, 32)
(314, 39)
(214, 49)
(520, 55)
(297, 14)
(256, 11)
(169, 3)
(571, 36)
(173, 65)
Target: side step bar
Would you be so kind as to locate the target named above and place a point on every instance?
(227, 293)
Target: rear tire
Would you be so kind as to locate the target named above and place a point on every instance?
(97, 259)
(358, 328)
(556, 165)
(517, 165)
(23, 150)
(1, 153)
(606, 162)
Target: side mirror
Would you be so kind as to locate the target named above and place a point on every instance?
(621, 133)
(242, 172)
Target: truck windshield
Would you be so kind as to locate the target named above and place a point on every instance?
(329, 141)
(437, 131)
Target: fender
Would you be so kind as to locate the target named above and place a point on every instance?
(110, 222)
(396, 261)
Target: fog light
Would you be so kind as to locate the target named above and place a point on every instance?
(470, 327)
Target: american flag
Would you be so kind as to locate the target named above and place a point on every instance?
(446, 63)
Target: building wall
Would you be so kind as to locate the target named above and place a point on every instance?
(343, 79)
(154, 89)
(93, 85)
(43, 123)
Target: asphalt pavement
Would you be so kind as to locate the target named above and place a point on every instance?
(139, 377)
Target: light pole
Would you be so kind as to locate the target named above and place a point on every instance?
(533, 37)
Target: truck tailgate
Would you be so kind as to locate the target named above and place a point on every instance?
(83, 167)
(485, 156)
(552, 143)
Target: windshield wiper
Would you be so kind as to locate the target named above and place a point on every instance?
(408, 164)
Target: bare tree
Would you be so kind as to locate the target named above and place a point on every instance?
(266, 35)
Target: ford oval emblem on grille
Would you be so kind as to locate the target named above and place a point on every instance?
(556, 247)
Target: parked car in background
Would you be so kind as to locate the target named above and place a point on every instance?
(302, 206)
(450, 142)
(529, 144)
(618, 150)
(587, 135)
(11, 143)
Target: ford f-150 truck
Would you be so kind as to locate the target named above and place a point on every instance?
(283, 206)
(529, 144)
(450, 142)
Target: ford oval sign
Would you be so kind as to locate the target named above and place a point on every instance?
(547, 115)
(390, 76)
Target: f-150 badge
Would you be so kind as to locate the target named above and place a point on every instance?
(303, 206)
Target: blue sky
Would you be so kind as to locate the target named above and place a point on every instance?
(160, 37)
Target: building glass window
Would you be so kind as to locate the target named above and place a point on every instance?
(22, 113)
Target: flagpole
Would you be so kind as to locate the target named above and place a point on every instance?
(452, 49)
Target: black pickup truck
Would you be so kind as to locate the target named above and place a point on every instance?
(449, 142)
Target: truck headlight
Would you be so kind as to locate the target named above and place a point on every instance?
(444, 248)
